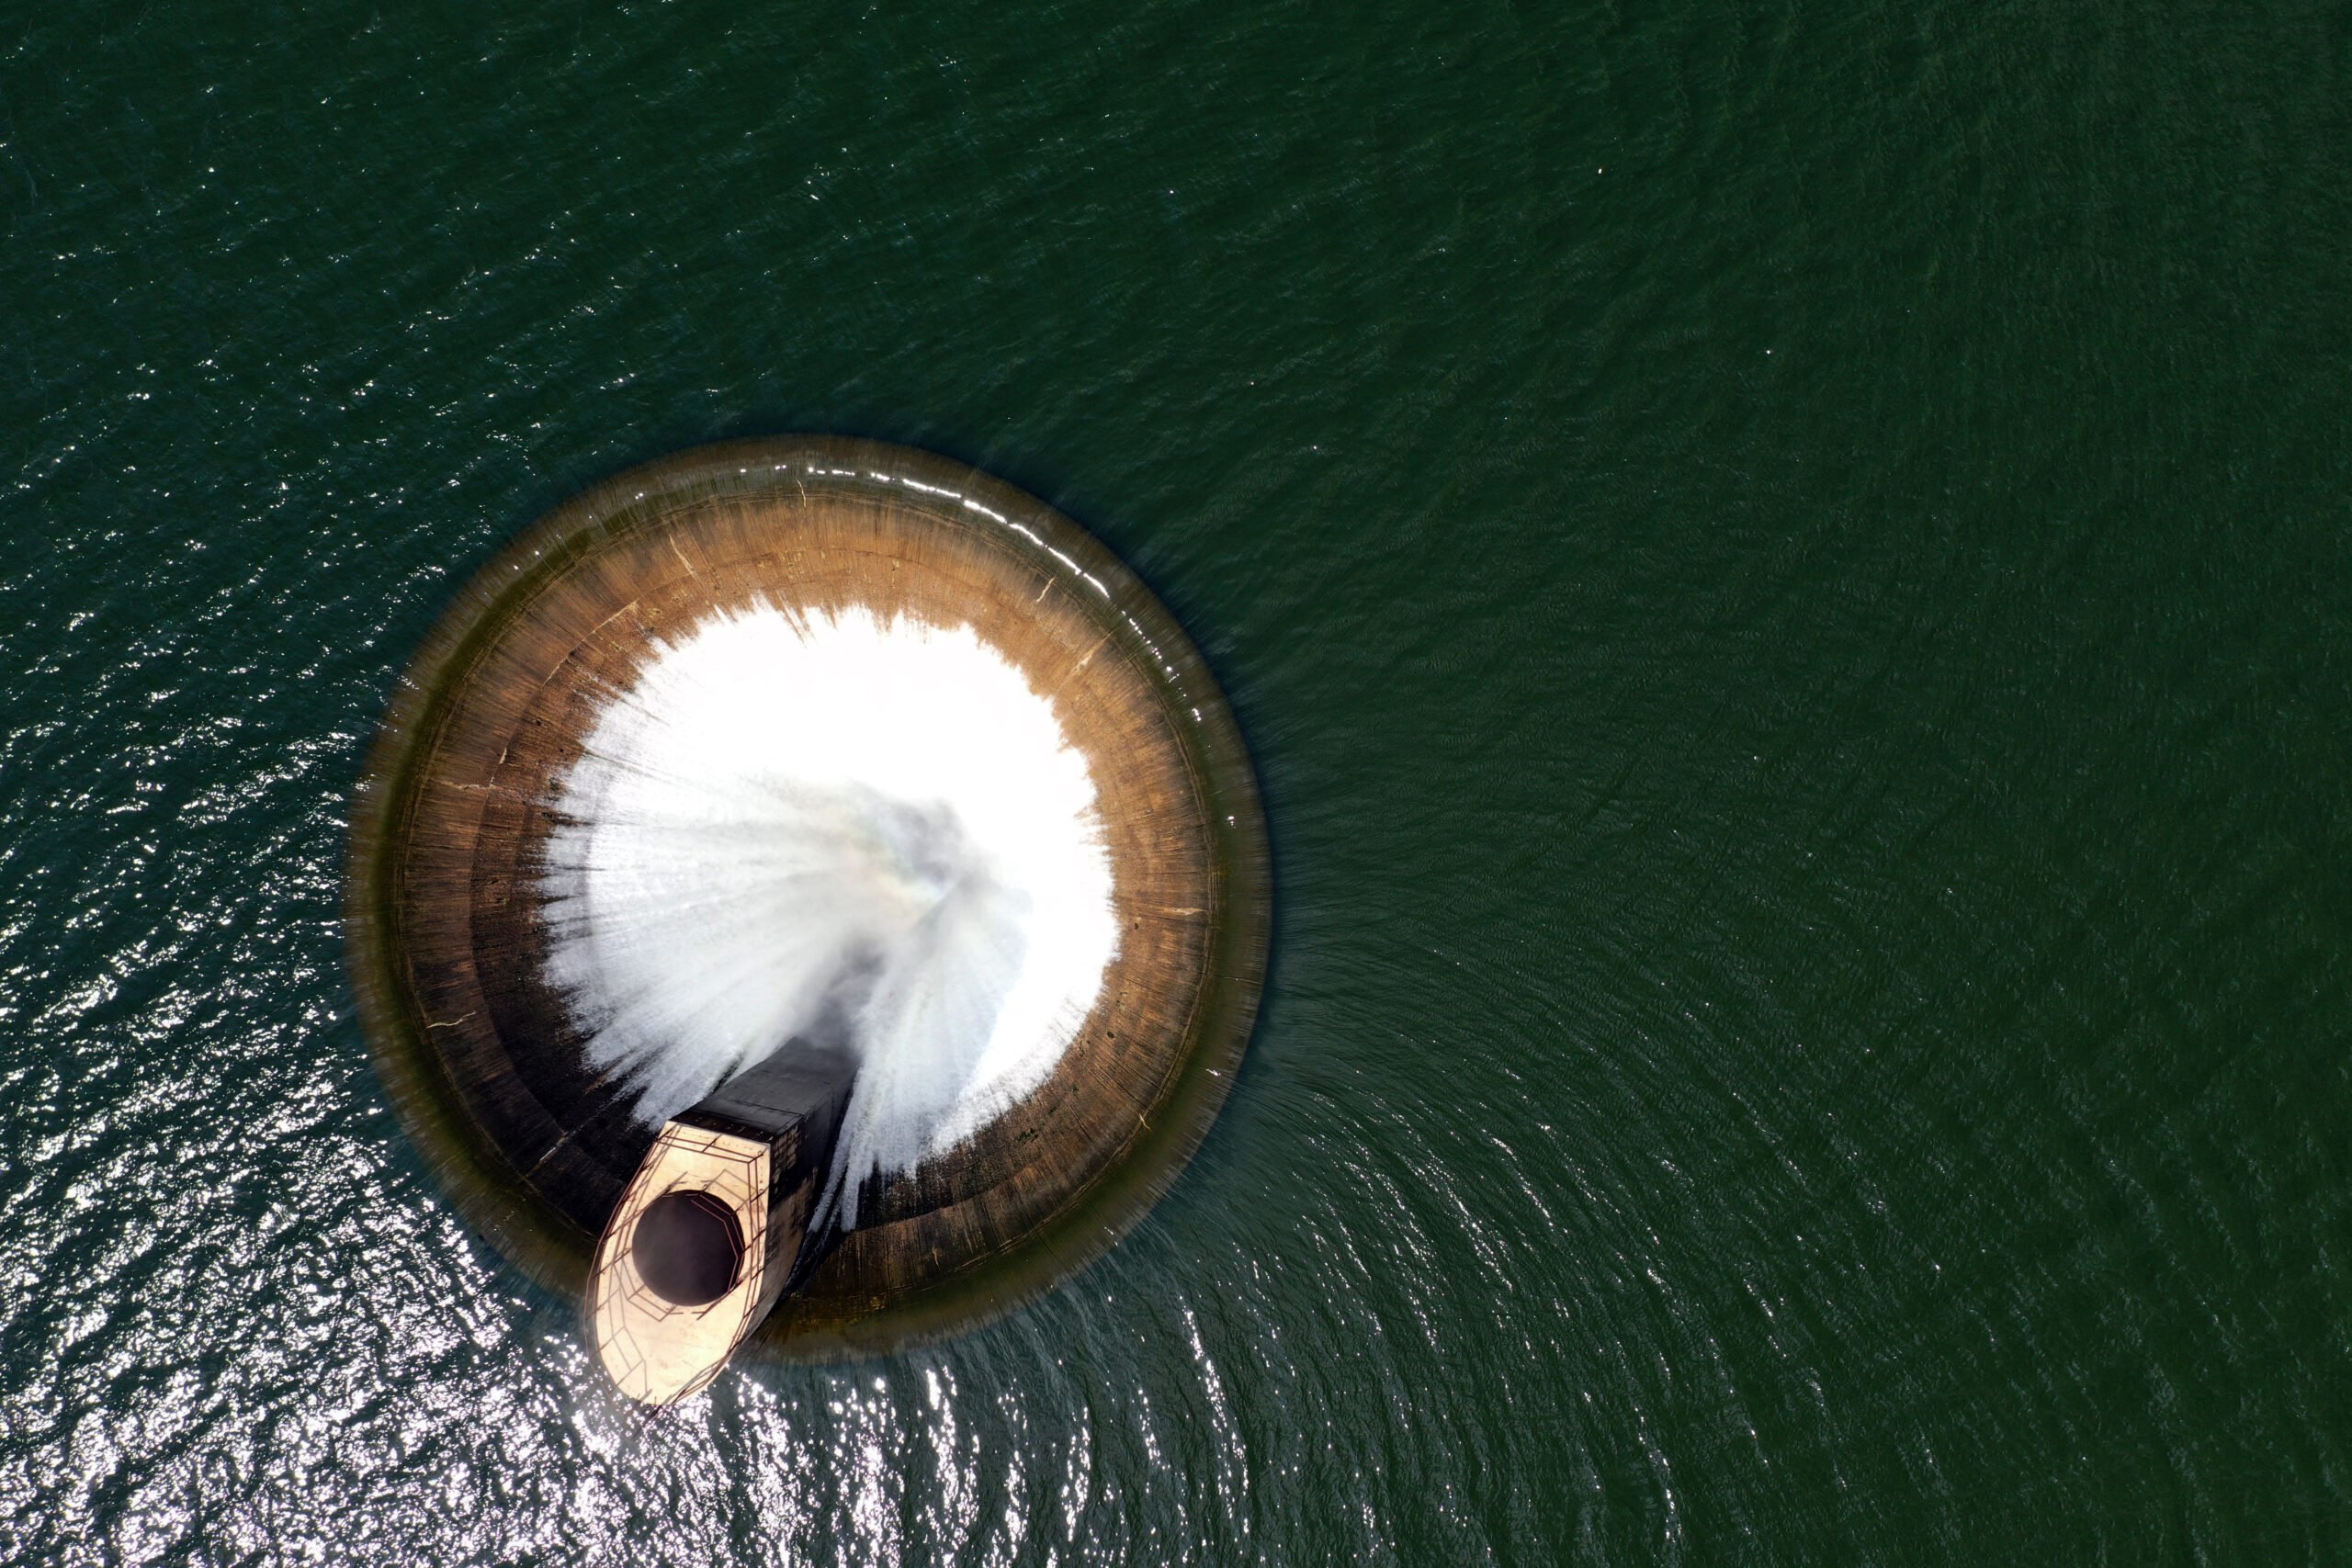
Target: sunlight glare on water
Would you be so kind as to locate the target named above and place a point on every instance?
(1783, 571)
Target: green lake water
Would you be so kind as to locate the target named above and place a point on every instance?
(1786, 571)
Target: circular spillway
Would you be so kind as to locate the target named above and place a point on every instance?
(812, 739)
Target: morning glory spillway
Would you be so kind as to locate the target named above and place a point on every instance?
(838, 800)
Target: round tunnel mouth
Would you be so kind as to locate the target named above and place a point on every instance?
(688, 1247)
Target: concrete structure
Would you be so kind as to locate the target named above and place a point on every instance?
(719, 1221)
(447, 944)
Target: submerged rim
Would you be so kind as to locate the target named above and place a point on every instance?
(471, 1168)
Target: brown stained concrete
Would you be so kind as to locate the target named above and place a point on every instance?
(446, 918)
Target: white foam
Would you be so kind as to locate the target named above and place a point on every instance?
(848, 828)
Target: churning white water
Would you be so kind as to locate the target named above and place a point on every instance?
(842, 829)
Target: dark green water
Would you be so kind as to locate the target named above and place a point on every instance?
(1787, 572)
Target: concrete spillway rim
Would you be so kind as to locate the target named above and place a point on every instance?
(527, 1228)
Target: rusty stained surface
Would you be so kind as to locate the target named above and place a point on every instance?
(526, 666)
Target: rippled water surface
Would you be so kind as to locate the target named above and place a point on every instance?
(1787, 572)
